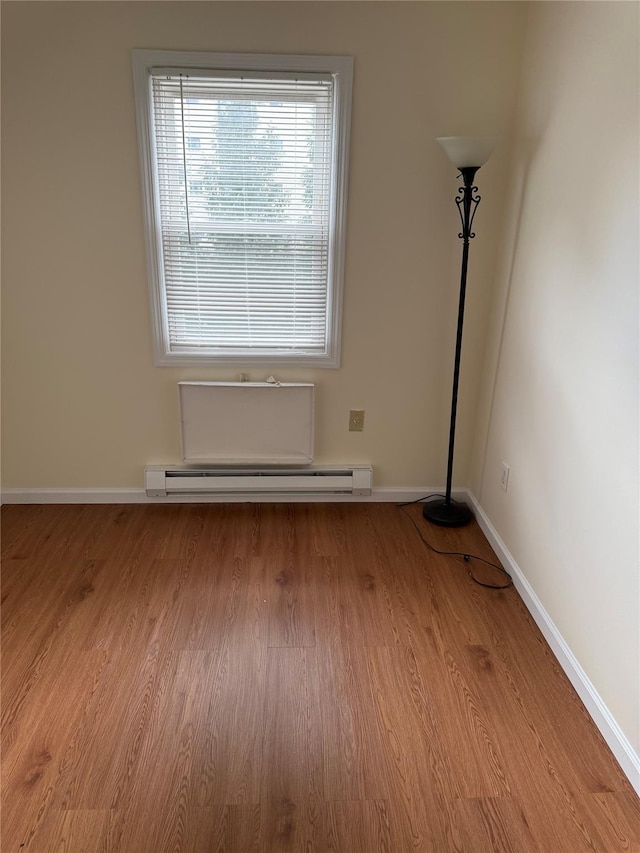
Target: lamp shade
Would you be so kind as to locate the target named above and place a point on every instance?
(465, 151)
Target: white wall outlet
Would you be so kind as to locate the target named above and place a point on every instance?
(504, 476)
(356, 420)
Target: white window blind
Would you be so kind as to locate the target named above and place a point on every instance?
(244, 175)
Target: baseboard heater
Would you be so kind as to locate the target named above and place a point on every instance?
(316, 480)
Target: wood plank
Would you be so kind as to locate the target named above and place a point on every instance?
(38, 641)
(320, 529)
(73, 831)
(292, 758)
(229, 753)
(422, 807)
(143, 610)
(291, 590)
(614, 818)
(34, 766)
(495, 825)
(105, 752)
(352, 761)
(221, 602)
(548, 709)
(229, 829)
(158, 805)
(358, 826)
(352, 606)
(290, 826)
(55, 530)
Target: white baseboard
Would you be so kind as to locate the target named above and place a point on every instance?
(616, 739)
(614, 736)
(73, 496)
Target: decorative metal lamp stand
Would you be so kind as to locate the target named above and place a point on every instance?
(468, 154)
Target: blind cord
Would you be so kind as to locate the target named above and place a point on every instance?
(184, 161)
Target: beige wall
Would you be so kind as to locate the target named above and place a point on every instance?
(83, 405)
(562, 391)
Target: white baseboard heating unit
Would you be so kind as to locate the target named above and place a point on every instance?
(316, 480)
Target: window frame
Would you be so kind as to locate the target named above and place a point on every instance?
(341, 70)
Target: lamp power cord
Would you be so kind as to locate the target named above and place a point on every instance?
(467, 558)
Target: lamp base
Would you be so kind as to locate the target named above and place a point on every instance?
(447, 514)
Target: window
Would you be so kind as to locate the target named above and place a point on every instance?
(244, 164)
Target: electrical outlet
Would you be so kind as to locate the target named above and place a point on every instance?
(504, 476)
(356, 420)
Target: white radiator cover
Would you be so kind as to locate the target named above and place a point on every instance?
(163, 481)
(247, 423)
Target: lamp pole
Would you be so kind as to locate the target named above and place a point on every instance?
(445, 511)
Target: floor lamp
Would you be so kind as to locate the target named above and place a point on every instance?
(468, 154)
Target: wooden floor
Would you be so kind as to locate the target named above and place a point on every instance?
(254, 677)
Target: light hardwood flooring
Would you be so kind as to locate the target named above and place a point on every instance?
(283, 677)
